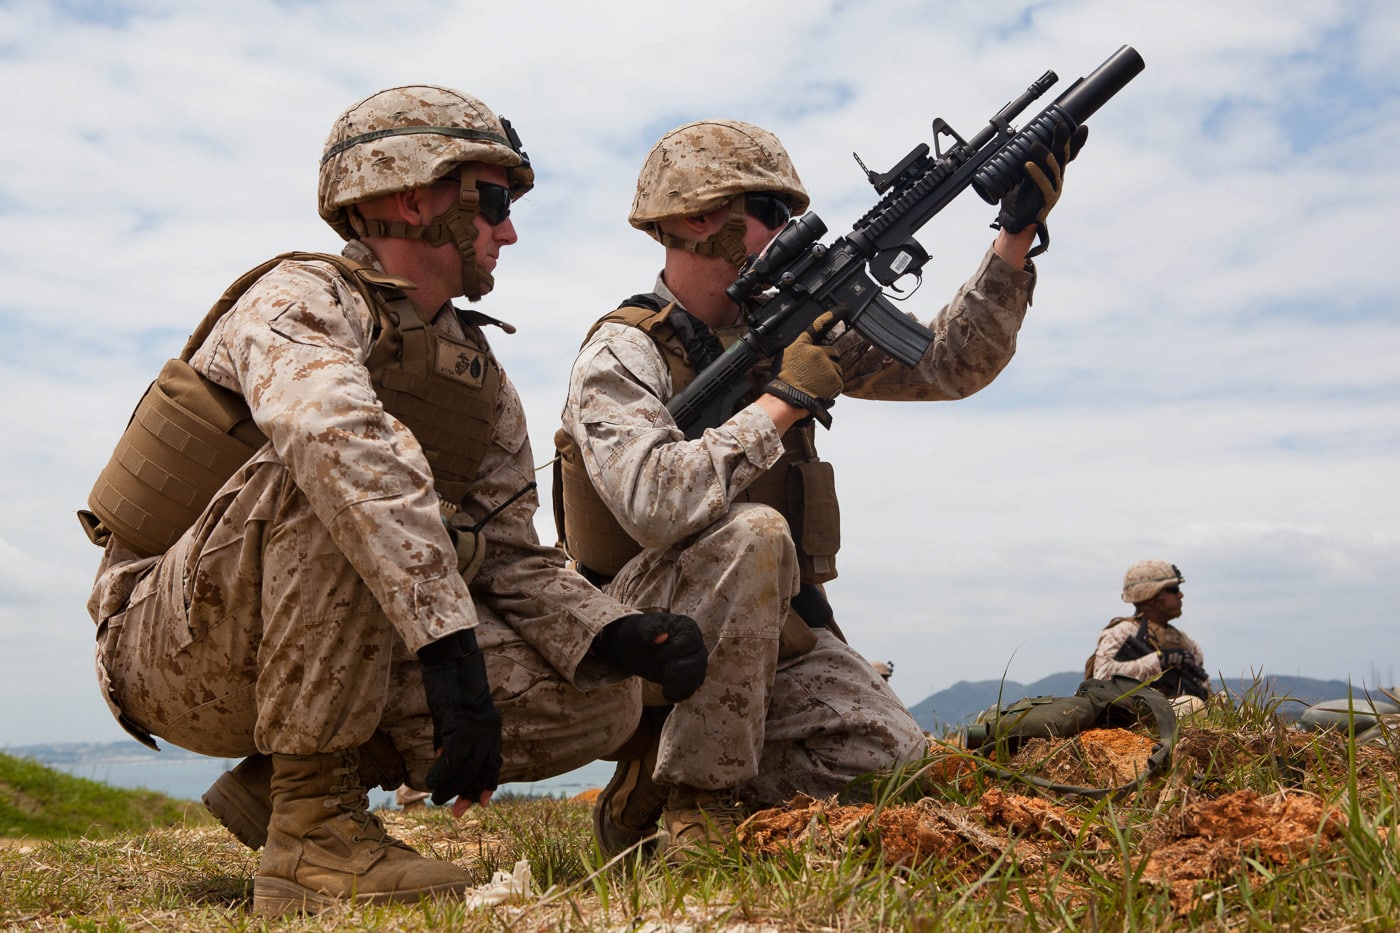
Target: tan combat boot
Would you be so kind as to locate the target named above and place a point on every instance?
(324, 845)
(627, 810)
(242, 797)
(698, 820)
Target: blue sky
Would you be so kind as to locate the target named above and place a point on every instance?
(1210, 373)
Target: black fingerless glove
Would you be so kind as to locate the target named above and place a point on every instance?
(657, 646)
(1179, 658)
(466, 725)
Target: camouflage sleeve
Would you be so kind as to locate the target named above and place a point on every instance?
(1106, 663)
(660, 486)
(974, 339)
(525, 584)
(295, 347)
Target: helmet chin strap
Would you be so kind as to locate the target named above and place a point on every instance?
(454, 225)
(728, 241)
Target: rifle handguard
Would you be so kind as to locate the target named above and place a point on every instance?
(819, 408)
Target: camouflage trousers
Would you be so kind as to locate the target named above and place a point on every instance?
(768, 727)
(280, 647)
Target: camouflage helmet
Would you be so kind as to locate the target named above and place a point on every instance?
(1147, 578)
(406, 137)
(703, 165)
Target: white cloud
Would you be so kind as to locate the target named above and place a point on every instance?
(1207, 374)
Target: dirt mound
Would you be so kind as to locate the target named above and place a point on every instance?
(1193, 840)
(967, 838)
(1099, 758)
(1211, 838)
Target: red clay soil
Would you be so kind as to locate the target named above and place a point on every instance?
(1211, 838)
(1194, 844)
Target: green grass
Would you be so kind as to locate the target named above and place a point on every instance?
(38, 802)
(1093, 865)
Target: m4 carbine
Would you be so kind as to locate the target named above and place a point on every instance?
(848, 276)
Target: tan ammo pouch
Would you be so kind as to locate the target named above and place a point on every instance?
(591, 534)
(804, 491)
(185, 439)
(187, 436)
(817, 530)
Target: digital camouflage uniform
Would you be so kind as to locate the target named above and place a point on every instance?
(286, 620)
(766, 726)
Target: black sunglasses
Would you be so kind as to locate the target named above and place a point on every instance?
(768, 209)
(1173, 589)
(493, 200)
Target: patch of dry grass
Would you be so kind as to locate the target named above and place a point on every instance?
(1256, 826)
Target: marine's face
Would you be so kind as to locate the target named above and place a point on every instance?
(1170, 598)
(491, 238)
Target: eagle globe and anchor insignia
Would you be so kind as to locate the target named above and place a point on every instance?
(461, 362)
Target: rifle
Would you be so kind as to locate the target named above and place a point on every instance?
(847, 276)
(1188, 678)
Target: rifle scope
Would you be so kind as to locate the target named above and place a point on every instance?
(1004, 171)
(790, 243)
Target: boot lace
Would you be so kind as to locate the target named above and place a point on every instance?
(349, 795)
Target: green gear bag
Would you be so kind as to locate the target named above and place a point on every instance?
(1042, 717)
(1097, 704)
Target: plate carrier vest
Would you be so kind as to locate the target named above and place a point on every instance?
(188, 435)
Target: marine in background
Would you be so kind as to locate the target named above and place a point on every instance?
(1146, 646)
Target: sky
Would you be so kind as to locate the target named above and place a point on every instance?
(1209, 374)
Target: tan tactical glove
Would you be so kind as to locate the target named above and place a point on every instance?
(1030, 202)
(471, 551)
(809, 372)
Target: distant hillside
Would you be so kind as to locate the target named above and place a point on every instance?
(39, 802)
(62, 753)
(960, 703)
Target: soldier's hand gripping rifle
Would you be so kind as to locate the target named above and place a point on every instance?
(1180, 672)
(848, 276)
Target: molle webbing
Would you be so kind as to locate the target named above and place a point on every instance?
(799, 486)
(443, 391)
(1163, 635)
(184, 440)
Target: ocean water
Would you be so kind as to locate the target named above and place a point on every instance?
(186, 777)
